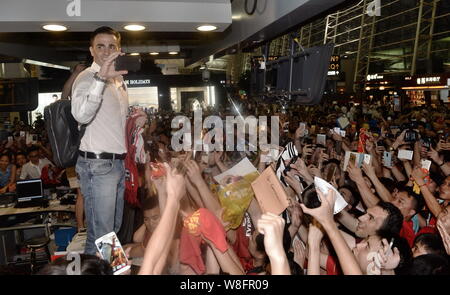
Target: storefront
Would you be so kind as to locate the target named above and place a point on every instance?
(142, 93)
(383, 88)
(427, 89)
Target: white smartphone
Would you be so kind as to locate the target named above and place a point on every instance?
(321, 139)
(111, 250)
(28, 138)
(405, 154)
(387, 159)
(426, 164)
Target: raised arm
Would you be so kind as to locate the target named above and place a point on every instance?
(272, 227)
(194, 174)
(87, 92)
(382, 191)
(324, 215)
(367, 196)
(315, 236)
(434, 155)
(193, 192)
(347, 220)
(430, 200)
(159, 245)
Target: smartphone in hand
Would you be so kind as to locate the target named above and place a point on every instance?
(111, 250)
(128, 63)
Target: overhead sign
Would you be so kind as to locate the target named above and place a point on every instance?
(428, 80)
(138, 83)
(374, 77)
(335, 65)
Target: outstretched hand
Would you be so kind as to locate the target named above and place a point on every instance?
(272, 227)
(388, 259)
(175, 184)
(324, 213)
(108, 70)
(193, 171)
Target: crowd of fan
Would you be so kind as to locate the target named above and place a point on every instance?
(397, 220)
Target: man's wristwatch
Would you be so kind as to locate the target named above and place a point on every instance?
(97, 78)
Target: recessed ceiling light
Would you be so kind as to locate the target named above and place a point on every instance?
(134, 28)
(134, 53)
(207, 28)
(54, 28)
(154, 53)
(173, 53)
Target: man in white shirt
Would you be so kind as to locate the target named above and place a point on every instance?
(100, 101)
(33, 168)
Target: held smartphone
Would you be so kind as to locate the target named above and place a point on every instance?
(128, 63)
(111, 250)
(331, 173)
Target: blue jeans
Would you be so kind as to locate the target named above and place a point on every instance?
(102, 184)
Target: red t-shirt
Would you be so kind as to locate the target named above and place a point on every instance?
(241, 249)
(201, 222)
(408, 233)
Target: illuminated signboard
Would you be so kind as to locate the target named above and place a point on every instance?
(374, 77)
(428, 80)
(138, 82)
(335, 65)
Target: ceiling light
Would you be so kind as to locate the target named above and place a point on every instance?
(173, 53)
(134, 53)
(134, 28)
(154, 53)
(54, 28)
(206, 28)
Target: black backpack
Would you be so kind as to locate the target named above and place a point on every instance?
(63, 133)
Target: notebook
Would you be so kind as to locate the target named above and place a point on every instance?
(269, 192)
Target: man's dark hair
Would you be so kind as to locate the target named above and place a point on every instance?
(105, 30)
(150, 203)
(393, 223)
(33, 148)
(6, 154)
(437, 177)
(419, 202)
(90, 265)
(356, 197)
(21, 153)
(429, 264)
(388, 183)
(431, 242)
(406, 255)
